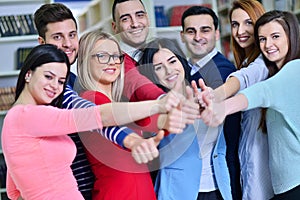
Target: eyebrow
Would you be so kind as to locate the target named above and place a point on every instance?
(248, 19)
(138, 12)
(60, 33)
(201, 28)
(53, 74)
(171, 58)
(167, 60)
(190, 28)
(271, 34)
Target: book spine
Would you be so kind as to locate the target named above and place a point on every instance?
(14, 25)
(10, 26)
(26, 27)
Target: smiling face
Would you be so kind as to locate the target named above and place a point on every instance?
(46, 83)
(131, 22)
(167, 68)
(242, 28)
(199, 35)
(273, 42)
(105, 73)
(64, 35)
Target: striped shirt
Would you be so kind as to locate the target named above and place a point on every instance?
(81, 166)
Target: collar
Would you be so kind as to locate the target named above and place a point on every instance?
(131, 51)
(202, 62)
(244, 63)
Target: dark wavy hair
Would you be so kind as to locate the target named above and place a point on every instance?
(146, 67)
(39, 55)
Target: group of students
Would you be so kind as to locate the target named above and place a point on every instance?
(199, 144)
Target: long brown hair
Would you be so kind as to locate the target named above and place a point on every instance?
(290, 25)
(254, 9)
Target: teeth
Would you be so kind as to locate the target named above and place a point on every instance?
(271, 51)
(171, 78)
(68, 52)
(137, 31)
(243, 39)
(110, 71)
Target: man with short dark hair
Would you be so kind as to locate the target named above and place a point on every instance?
(200, 33)
(131, 23)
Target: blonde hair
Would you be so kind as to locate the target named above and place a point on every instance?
(86, 50)
(254, 9)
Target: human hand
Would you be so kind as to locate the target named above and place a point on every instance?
(190, 106)
(213, 113)
(175, 121)
(172, 99)
(198, 94)
(143, 150)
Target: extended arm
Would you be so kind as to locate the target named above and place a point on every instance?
(115, 134)
(228, 89)
(124, 113)
(215, 112)
(243, 78)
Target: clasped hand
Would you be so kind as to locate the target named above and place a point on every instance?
(211, 112)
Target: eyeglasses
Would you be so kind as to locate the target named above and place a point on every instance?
(104, 58)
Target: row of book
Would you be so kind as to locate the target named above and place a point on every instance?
(17, 25)
(7, 97)
(172, 17)
(21, 55)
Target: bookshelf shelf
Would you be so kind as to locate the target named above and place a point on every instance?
(9, 73)
(2, 113)
(18, 38)
(19, 1)
(101, 24)
(168, 29)
(96, 15)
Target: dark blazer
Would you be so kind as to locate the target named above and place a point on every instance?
(214, 74)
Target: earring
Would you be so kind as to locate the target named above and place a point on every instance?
(27, 77)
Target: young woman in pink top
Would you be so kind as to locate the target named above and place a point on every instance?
(36, 147)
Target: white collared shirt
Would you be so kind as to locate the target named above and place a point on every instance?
(202, 62)
(131, 51)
